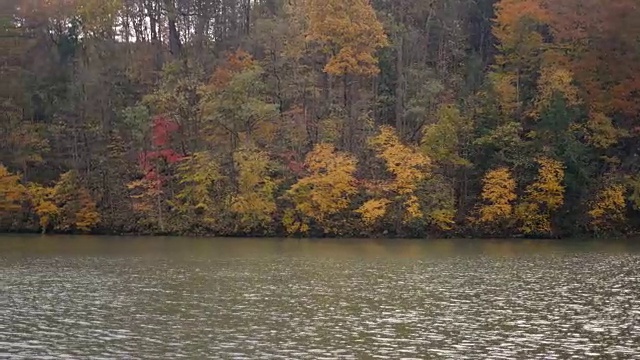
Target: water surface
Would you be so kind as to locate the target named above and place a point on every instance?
(100, 297)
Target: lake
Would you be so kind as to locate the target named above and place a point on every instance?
(102, 297)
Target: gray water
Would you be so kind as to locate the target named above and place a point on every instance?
(95, 297)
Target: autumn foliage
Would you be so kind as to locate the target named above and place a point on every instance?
(67, 207)
(407, 167)
(254, 202)
(542, 198)
(362, 118)
(11, 193)
(324, 193)
(235, 63)
(499, 196)
(350, 31)
(608, 209)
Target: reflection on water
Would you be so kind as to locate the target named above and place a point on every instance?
(243, 298)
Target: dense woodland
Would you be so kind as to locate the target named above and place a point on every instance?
(320, 117)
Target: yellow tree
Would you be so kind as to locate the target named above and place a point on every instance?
(349, 31)
(254, 200)
(543, 198)
(77, 210)
(607, 210)
(554, 80)
(517, 29)
(498, 195)
(47, 211)
(409, 170)
(12, 193)
(67, 206)
(200, 198)
(86, 213)
(406, 164)
(323, 193)
(373, 211)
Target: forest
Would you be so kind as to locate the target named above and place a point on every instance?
(341, 118)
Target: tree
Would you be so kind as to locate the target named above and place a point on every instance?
(373, 211)
(554, 82)
(405, 189)
(45, 208)
(12, 193)
(498, 195)
(234, 106)
(320, 197)
(66, 207)
(349, 31)
(601, 36)
(254, 200)
(449, 143)
(447, 140)
(196, 116)
(607, 210)
(76, 209)
(542, 198)
(518, 29)
(200, 201)
(148, 192)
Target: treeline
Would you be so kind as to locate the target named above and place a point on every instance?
(320, 117)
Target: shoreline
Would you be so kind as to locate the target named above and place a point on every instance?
(576, 237)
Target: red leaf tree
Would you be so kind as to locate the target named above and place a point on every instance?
(161, 153)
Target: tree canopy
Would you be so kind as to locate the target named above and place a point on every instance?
(320, 117)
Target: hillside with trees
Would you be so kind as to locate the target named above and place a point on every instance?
(356, 118)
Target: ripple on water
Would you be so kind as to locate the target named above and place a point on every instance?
(558, 305)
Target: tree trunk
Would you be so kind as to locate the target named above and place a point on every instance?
(400, 80)
(175, 45)
(153, 21)
(247, 16)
